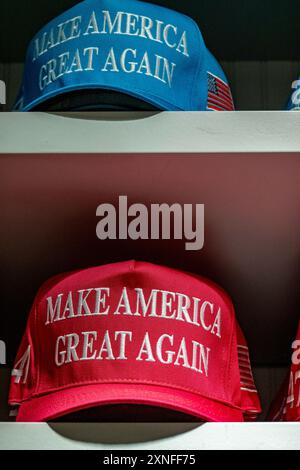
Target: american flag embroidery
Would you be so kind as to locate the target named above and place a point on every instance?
(219, 94)
(247, 382)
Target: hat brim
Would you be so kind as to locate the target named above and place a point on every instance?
(60, 403)
(143, 95)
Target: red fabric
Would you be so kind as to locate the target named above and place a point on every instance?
(286, 406)
(133, 332)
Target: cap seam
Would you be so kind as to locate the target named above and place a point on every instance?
(197, 74)
(60, 278)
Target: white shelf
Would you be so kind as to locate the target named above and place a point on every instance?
(209, 436)
(167, 132)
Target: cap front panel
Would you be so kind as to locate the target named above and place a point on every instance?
(138, 48)
(147, 325)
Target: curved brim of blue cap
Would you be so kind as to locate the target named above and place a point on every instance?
(94, 100)
(63, 91)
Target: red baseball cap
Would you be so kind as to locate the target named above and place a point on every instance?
(133, 333)
(286, 406)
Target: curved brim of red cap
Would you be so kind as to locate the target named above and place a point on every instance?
(60, 403)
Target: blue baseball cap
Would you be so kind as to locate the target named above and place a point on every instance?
(139, 49)
(294, 101)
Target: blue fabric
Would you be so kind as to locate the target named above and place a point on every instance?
(294, 102)
(137, 48)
